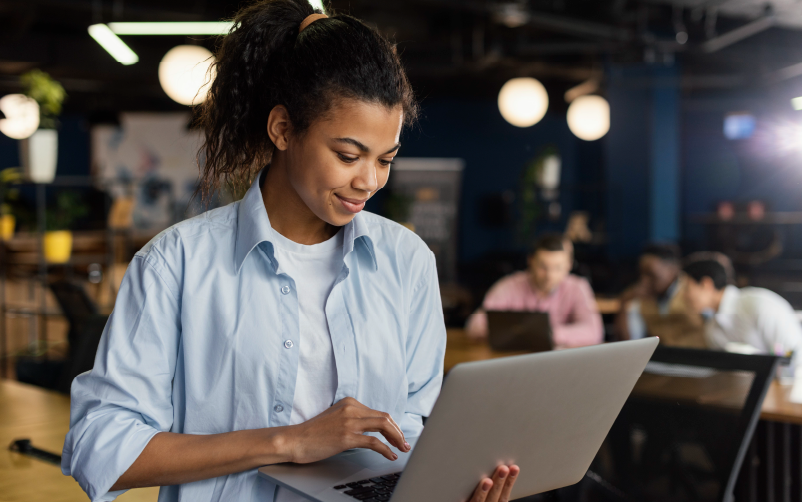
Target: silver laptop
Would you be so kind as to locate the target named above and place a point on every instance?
(547, 412)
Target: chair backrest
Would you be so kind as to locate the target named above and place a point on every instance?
(82, 354)
(75, 304)
(685, 429)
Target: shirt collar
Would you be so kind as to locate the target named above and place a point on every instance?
(253, 228)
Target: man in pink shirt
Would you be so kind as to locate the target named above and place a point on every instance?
(547, 286)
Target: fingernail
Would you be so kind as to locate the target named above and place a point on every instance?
(395, 457)
(486, 487)
(407, 445)
(502, 475)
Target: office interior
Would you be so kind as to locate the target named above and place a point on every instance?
(616, 124)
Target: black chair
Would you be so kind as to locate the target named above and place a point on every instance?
(684, 431)
(85, 328)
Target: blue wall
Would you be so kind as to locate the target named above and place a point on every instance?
(73, 149)
(495, 153)
(643, 157)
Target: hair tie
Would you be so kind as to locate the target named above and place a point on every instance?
(311, 18)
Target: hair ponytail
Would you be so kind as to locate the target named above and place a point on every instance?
(264, 61)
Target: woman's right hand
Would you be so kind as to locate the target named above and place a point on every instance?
(340, 428)
(497, 488)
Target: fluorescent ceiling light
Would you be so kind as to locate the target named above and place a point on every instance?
(112, 43)
(797, 103)
(172, 28)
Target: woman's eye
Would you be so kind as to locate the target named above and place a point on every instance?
(385, 162)
(347, 159)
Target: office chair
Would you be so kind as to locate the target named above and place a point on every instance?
(85, 328)
(684, 431)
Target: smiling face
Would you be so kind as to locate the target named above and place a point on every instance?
(342, 160)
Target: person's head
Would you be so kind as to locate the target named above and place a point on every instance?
(659, 268)
(326, 104)
(550, 262)
(704, 285)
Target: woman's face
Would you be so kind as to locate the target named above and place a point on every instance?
(344, 159)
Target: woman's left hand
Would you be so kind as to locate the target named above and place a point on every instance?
(497, 488)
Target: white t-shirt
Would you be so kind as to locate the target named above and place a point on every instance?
(314, 269)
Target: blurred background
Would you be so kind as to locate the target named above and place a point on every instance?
(616, 123)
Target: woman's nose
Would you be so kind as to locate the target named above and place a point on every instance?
(366, 180)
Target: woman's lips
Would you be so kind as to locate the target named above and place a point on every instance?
(352, 205)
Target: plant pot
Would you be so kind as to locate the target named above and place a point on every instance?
(58, 246)
(39, 154)
(7, 223)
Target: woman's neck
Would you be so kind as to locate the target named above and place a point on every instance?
(289, 215)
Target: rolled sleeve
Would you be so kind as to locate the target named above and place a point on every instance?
(126, 399)
(426, 345)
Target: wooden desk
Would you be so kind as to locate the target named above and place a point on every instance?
(459, 349)
(43, 417)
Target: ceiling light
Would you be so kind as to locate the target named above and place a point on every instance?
(112, 43)
(170, 28)
(317, 4)
(589, 117)
(523, 101)
(22, 116)
(183, 74)
(797, 103)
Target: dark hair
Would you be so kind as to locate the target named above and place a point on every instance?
(264, 61)
(669, 253)
(549, 242)
(713, 269)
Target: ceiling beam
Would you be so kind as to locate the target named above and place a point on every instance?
(741, 33)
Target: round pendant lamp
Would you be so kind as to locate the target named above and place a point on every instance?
(183, 74)
(523, 101)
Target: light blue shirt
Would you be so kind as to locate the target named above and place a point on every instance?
(198, 343)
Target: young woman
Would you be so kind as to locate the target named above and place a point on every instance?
(286, 326)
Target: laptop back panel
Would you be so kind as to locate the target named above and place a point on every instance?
(519, 331)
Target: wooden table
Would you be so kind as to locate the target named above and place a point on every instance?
(43, 417)
(459, 349)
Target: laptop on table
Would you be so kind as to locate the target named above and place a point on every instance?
(547, 412)
(513, 330)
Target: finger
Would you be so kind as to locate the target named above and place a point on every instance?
(388, 428)
(482, 489)
(499, 479)
(508, 484)
(372, 443)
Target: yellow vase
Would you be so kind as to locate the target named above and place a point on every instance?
(58, 246)
(7, 222)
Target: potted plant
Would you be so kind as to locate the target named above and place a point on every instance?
(59, 220)
(7, 195)
(39, 152)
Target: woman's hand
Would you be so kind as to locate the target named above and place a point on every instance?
(497, 488)
(340, 428)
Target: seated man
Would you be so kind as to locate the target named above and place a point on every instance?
(655, 306)
(546, 286)
(756, 317)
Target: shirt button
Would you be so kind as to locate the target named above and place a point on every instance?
(285, 290)
(278, 408)
(288, 344)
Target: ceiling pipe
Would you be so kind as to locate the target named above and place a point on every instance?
(731, 37)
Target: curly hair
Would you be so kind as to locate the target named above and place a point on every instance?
(264, 61)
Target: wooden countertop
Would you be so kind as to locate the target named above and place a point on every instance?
(44, 417)
(776, 406)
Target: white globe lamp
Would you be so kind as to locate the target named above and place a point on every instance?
(523, 101)
(22, 116)
(589, 117)
(183, 74)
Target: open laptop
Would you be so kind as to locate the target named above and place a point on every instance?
(547, 412)
(508, 330)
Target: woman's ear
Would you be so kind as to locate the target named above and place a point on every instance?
(279, 126)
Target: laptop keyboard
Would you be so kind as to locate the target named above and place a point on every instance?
(371, 490)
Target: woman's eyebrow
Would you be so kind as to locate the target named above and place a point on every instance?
(362, 147)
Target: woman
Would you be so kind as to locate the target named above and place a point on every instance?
(283, 327)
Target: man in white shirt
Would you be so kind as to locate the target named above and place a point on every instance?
(756, 317)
